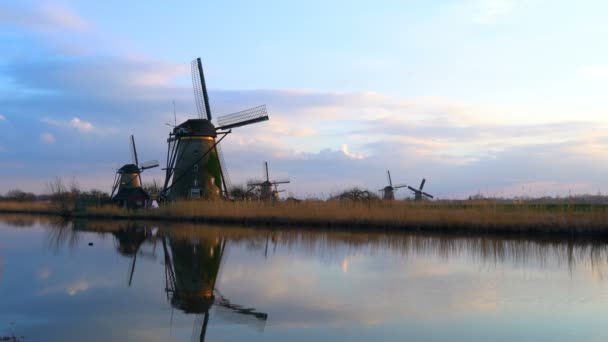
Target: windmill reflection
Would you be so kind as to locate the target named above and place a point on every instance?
(129, 240)
(191, 271)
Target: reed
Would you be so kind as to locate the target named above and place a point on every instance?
(470, 215)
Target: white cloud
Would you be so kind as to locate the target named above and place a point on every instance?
(79, 286)
(344, 149)
(44, 18)
(2, 117)
(76, 122)
(82, 126)
(47, 138)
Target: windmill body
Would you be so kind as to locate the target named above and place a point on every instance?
(199, 174)
(195, 166)
(388, 192)
(127, 191)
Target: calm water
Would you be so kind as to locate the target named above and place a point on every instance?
(183, 283)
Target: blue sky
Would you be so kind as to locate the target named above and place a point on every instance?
(505, 97)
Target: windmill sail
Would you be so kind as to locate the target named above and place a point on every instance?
(224, 170)
(201, 97)
(242, 118)
(133, 150)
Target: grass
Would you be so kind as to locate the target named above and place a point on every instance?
(442, 216)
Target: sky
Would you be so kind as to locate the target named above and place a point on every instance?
(499, 97)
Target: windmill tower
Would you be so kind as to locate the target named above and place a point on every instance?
(388, 192)
(195, 165)
(418, 193)
(269, 190)
(127, 191)
(191, 270)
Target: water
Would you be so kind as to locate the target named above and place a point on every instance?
(140, 282)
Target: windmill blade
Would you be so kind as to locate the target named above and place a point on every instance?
(414, 190)
(266, 170)
(281, 181)
(242, 118)
(390, 181)
(244, 313)
(398, 186)
(149, 164)
(422, 184)
(133, 150)
(255, 184)
(201, 97)
(427, 195)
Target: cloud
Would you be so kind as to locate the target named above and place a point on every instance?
(459, 147)
(82, 126)
(44, 18)
(75, 123)
(47, 138)
(2, 117)
(76, 287)
(344, 149)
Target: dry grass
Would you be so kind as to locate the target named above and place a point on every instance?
(25, 206)
(477, 214)
(432, 215)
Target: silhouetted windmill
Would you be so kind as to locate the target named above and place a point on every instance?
(191, 271)
(195, 166)
(388, 192)
(418, 193)
(269, 190)
(127, 181)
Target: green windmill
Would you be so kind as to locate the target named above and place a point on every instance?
(195, 165)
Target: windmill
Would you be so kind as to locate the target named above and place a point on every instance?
(191, 270)
(127, 191)
(195, 165)
(388, 192)
(269, 190)
(418, 193)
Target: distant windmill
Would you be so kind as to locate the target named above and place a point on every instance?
(418, 193)
(127, 191)
(269, 190)
(195, 165)
(388, 192)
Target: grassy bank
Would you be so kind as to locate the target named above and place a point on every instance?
(482, 216)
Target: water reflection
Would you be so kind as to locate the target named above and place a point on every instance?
(294, 284)
(191, 271)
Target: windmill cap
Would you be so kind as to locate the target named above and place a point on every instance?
(129, 168)
(200, 127)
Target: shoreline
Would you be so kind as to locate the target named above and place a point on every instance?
(581, 228)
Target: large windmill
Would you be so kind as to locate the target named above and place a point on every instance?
(388, 192)
(195, 166)
(418, 193)
(191, 270)
(269, 190)
(127, 191)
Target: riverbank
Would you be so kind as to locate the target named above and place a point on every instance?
(459, 217)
